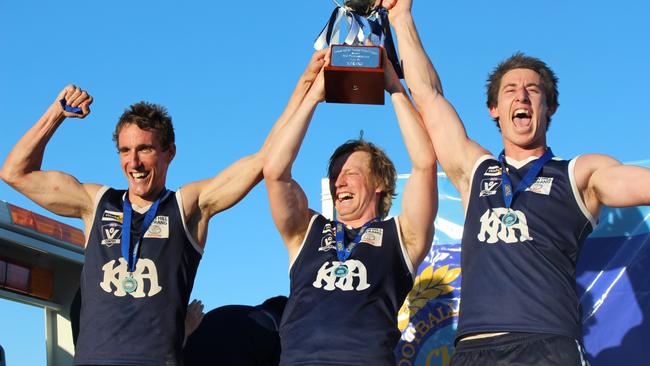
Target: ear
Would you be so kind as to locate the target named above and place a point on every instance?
(494, 111)
(172, 152)
(551, 111)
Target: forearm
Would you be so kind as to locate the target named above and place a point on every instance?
(27, 155)
(297, 96)
(285, 145)
(419, 73)
(416, 139)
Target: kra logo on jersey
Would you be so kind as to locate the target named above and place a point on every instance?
(542, 185)
(327, 241)
(354, 278)
(493, 171)
(502, 224)
(489, 186)
(111, 234)
(114, 275)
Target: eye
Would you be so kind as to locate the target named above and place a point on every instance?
(533, 90)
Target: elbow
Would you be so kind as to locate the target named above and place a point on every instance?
(270, 170)
(428, 97)
(8, 176)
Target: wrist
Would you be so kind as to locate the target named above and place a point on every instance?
(401, 20)
(54, 113)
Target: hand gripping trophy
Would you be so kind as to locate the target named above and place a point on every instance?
(356, 30)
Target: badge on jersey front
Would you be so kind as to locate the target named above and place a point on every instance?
(111, 234)
(493, 171)
(489, 186)
(159, 228)
(542, 185)
(373, 236)
(115, 216)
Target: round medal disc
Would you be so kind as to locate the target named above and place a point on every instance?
(341, 271)
(509, 219)
(129, 284)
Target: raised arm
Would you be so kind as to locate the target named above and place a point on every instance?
(455, 151)
(55, 191)
(603, 180)
(204, 199)
(420, 200)
(289, 206)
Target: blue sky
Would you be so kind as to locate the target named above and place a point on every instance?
(226, 72)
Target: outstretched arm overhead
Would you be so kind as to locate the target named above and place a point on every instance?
(455, 151)
(289, 207)
(204, 199)
(420, 200)
(55, 191)
(603, 180)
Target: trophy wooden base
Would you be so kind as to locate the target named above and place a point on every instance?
(355, 75)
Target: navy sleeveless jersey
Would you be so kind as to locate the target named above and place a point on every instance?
(521, 278)
(144, 327)
(349, 320)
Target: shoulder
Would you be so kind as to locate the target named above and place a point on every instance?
(584, 166)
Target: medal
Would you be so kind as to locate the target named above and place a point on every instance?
(341, 271)
(343, 252)
(509, 219)
(129, 284)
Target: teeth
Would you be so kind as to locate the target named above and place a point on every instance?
(522, 113)
(138, 175)
(343, 196)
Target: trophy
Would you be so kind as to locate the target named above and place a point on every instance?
(356, 71)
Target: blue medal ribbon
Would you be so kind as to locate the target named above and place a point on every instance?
(508, 194)
(132, 258)
(343, 252)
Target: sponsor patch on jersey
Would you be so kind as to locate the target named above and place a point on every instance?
(159, 228)
(542, 185)
(111, 234)
(493, 171)
(112, 216)
(373, 236)
(489, 186)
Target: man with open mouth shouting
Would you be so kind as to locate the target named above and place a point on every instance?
(527, 212)
(350, 276)
(143, 245)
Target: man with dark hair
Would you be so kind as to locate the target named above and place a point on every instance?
(143, 245)
(239, 335)
(527, 212)
(350, 276)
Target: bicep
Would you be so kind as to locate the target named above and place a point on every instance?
(419, 208)
(455, 151)
(290, 211)
(619, 185)
(228, 187)
(58, 192)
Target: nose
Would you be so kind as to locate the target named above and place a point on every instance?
(134, 159)
(340, 181)
(522, 95)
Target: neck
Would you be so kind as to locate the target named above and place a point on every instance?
(520, 153)
(143, 201)
(357, 223)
